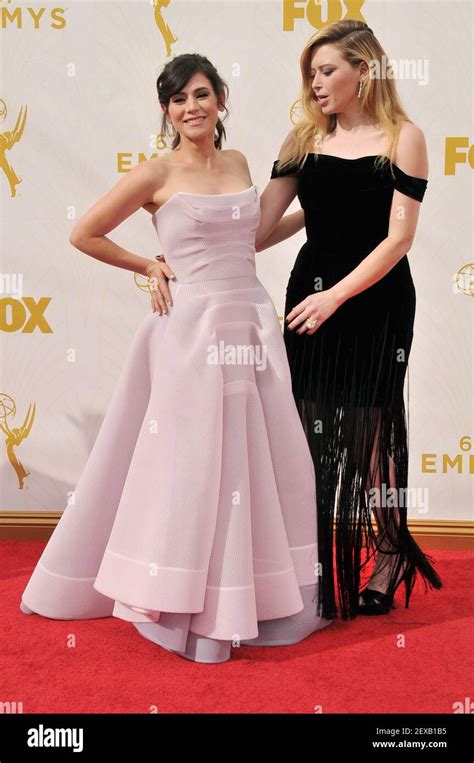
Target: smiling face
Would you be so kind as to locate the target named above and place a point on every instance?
(194, 111)
(334, 81)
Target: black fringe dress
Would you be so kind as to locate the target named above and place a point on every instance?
(348, 377)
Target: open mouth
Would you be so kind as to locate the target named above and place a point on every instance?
(194, 120)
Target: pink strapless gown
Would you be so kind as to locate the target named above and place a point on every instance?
(198, 496)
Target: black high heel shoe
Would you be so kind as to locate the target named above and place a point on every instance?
(375, 602)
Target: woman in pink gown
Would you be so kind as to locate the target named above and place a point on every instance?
(195, 515)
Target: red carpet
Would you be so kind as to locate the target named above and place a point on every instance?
(96, 666)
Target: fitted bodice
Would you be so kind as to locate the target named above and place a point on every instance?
(347, 203)
(209, 236)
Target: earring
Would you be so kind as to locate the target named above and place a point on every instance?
(360, 88)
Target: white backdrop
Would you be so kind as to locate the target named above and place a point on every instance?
(78, 86)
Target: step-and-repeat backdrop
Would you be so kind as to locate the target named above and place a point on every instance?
(78, 108)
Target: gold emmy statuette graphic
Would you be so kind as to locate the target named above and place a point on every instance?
(464, 280)
(141, 282)
(166, 33)
(7, 141)
(15, 435)
(295, 112)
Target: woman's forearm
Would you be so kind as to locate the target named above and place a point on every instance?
(285, 228)
(103, 249)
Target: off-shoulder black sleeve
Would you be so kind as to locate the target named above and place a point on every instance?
(409, 185)
(291, 170)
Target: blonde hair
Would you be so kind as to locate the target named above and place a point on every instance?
(356, 43)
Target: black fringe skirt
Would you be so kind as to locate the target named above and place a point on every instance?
(348, 381)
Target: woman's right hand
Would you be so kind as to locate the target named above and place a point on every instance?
(158, 274)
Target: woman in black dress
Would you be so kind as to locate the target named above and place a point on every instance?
(359, 166)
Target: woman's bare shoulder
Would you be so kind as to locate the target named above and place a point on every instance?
(156, 170)
(411, 152)
(238, 163)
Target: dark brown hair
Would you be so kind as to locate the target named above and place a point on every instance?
(173, 78)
